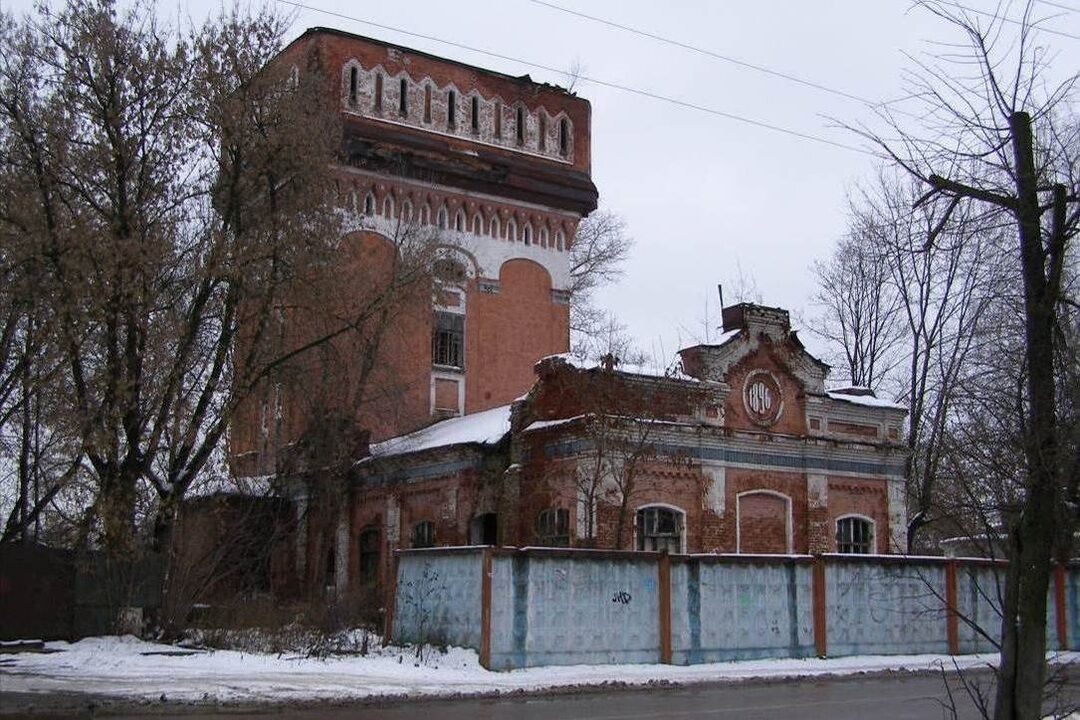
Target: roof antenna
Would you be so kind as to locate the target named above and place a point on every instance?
(720, 289)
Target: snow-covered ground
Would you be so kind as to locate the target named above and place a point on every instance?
(128, 668)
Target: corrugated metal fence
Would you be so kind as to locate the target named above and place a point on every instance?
(539, 606)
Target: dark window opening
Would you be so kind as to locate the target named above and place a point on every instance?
(498, 120)
(564, 137)
(352, 85)
(543, 132)
(423, 534)
(378, 92)
(427, 103)
(369, 204)
(448, 340)
(475, 115)
(526, 235)
(369, 556)
(331, 566)
(854, 536)
(451, 109)
(659, 529)
(520, 126)
(484, 530)
(403, 97)
(553, 527)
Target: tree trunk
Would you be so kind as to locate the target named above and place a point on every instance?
(1023, 650)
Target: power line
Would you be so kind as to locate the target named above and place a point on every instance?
(595, 81)
(1058, 5)
(995, 16)
(726, 58)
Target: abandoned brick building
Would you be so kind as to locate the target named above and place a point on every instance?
(492, 434)
(736, 448)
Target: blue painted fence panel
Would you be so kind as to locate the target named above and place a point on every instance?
(885, 609)
(744, 611)
(437, 599)
(590, 610)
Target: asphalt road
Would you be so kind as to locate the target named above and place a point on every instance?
(877, 698)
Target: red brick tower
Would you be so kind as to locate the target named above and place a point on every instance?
(500, 166)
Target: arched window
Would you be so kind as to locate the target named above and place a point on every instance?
(459, 221)
(560, 243)
(543, 237)
(368, 555)
(495, 228)
(543, 131)
(520, 126)
(498, 121)
(511, 230)
(477, 224)
(659, 529)
(388, 207)
(855, 535)
(403, 97)
(553, 527)
(451, 109)
(427, 103)
(475, 120)
(425, 215)
(378, 92)
(441, 219)
(406, 210)
(353, 83)
(564, 137)
(369, 204)
(526, 234)
(423, 534)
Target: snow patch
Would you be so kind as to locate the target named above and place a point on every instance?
(130, 668)
(862, 396)
(483, 428)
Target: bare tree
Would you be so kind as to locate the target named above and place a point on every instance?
(859, 306)
(601, 246)
(175, 186)
(994, 135)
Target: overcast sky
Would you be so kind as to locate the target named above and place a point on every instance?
(706, 198)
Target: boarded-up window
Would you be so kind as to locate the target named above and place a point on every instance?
(763, 523)
(446, 396)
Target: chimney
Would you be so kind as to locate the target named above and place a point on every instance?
(753, 317)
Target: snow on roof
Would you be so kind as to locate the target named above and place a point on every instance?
(862, 396)
(672, 371)
(483, 428)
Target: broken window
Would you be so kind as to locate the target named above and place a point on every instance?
(423, 534)
(854, 536)
(553, 527)
(659, 529)
(448, 339)
(484, 530)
